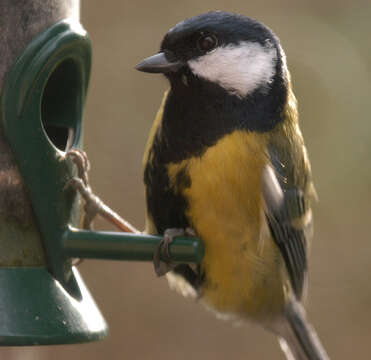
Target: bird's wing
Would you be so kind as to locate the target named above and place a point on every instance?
(286, 195)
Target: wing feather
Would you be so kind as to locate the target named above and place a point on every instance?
(286, 211)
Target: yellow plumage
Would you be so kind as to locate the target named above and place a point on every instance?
(246, 274)
(226, 210)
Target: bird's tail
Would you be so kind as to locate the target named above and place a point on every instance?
(298, 339)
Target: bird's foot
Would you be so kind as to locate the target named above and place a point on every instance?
(164, 266)
(93, 204)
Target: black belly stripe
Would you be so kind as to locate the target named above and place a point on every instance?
(195, 117)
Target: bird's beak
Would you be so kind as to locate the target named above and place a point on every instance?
(159, 64)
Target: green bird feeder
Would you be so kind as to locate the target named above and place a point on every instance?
(44, 76)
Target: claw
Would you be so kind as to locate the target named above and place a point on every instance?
(164, 266)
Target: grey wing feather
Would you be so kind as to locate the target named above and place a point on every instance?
(289, 219)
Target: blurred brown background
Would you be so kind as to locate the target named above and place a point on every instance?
(329, 54)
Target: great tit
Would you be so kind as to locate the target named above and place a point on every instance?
(226, 158)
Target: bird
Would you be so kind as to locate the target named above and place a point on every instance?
(226, 161)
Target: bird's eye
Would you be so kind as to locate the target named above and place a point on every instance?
(207, 42)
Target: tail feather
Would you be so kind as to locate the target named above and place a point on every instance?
(298, 339)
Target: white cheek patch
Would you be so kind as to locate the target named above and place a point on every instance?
(240, 68)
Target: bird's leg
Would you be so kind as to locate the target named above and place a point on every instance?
(93, 204)
(164, 266)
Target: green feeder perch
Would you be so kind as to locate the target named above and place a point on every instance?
(43, 299)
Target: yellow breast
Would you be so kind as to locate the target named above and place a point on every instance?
(242, 263)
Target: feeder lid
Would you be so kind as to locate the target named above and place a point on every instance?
(36, 310)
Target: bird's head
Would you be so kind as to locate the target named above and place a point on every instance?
(239, 54)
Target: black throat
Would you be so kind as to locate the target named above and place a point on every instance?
(198, 113)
